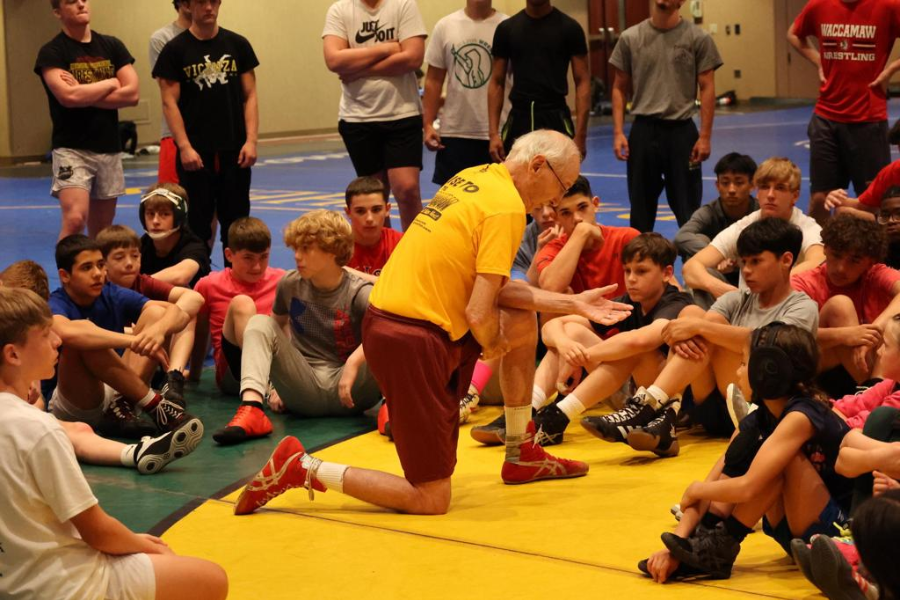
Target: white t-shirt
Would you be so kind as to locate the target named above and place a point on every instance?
(462, 46)
(726, 241)
(158, 41)
(373, 99)
(43, 556)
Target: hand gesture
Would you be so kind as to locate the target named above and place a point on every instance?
(432, 139)
(679, 330)
(661, 565)
(495, 147)
(691, 349)
(620, 146)
(247, 157)
(345, 385)
(276, 404)
(882, 80)
(592, 305)
(836, 198)
(190, 160)
(157, 546)
(547, 236)
(701, 150)
(883, 483)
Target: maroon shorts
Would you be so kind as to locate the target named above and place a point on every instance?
(422, 375)
(167, 153)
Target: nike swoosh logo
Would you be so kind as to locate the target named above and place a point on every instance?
(362, 39)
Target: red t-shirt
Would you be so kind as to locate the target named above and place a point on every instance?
(870, 295)
(855, 41)
(219, 288)
(154, 289)
(372, 259)
(597, 267)
(887, 178)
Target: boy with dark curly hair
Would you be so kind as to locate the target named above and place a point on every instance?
(856, 294)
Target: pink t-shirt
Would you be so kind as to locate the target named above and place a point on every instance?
(870, 295)
(220, 287)
(858, 407)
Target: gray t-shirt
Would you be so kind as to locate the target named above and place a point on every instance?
(741, 309)
(527, 248)
(705, 224)
(664, 66)
(326, 327)
(158, 41)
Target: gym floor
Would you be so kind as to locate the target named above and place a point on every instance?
(564, 538)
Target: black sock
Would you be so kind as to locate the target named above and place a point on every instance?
(710, 520)
(737, 529)
(254, 403)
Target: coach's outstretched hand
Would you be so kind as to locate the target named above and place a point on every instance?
(593, 306)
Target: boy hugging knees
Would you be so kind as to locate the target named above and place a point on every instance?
(705, 347)
(889, 219)
(734, 182)
(96, 385)
(147, 456)
(856, 295)
(231, 296)
(311, 346)
(171, 252)
(778, 187)
(586, 255)
(56, 540)
(121, 249)
(612, 354)
(367, 209)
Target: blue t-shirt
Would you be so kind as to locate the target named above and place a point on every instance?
(115, 309)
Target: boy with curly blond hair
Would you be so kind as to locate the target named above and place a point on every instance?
(311, 346)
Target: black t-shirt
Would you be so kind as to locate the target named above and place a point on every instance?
(88, 128)
(212, 98)
(539, 52)
(189, 246)
(668, 307)
(821, 449)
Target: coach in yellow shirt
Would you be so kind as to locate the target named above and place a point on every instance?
(443, 298)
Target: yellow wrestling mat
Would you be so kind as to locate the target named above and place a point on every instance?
(556, 539)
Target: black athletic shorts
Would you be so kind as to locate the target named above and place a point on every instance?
(377, 146)
(528, 119)
(459, 154)
(233, 355)
(844, 153)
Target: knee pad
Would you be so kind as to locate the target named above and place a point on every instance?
(741, 452)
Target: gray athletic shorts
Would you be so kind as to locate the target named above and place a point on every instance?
(62, 409)
(100, 174)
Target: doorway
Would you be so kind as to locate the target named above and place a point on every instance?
(607, 19)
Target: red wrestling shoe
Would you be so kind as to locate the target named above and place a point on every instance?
(283, 471)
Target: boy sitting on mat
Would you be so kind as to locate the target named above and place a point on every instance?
(231, 296)
(121, 249)
(311, 346)
(97, 385)
(56, 540)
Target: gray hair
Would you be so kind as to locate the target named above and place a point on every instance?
(552, 145)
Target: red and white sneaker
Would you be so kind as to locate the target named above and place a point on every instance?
(535, 464)
(283, 471)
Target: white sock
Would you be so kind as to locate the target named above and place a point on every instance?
(517, 420)
(128, 455)
(656, 397)
(329, 473)
(571, 406)
(143, 402)
(538, 398)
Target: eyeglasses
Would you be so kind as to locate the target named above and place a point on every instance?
(552, 170)
(892, 217)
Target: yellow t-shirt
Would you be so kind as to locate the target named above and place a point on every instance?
(473, 225)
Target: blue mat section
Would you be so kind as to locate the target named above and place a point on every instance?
(285, 186)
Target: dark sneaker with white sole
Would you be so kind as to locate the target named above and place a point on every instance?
(637, 412)
(120, 421)
(173, 389)
(152, 454)
(659, 435)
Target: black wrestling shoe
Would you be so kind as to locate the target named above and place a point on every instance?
(152, 454)
(659, 435)
(637, 412)
(712, 551)
(173, 388)
(119, 421)
(550, 423)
